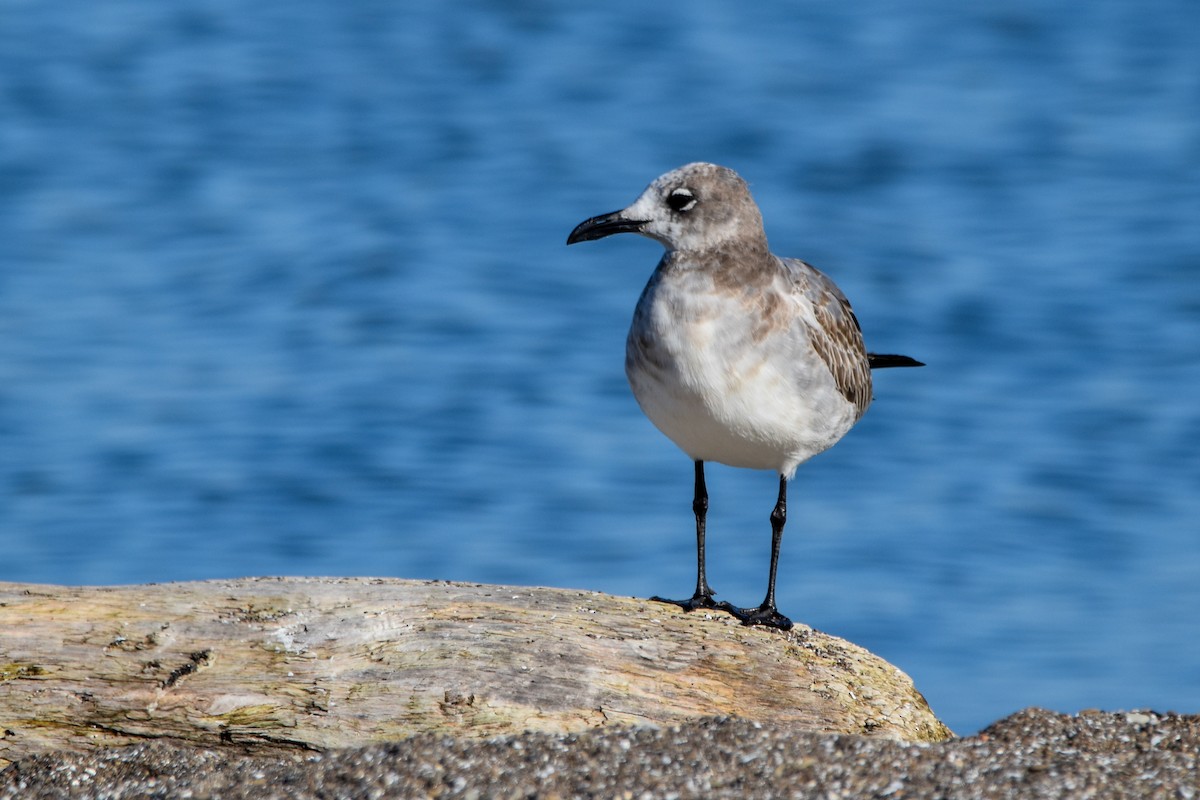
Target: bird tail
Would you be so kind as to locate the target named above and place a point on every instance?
(885, 360)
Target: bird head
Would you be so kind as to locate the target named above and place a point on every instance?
(696, 207)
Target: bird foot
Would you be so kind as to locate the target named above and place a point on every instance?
(765, 615)
(698, 600)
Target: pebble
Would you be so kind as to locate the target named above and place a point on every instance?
(1032, 754)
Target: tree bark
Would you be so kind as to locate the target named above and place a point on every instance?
(264, 664)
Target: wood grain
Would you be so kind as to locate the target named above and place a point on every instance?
(264, 664)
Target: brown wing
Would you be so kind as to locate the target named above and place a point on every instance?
(837, 337)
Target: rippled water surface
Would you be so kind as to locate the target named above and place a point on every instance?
(284, 290)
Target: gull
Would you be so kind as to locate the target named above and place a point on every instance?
(738, 356)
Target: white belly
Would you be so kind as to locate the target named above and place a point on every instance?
(723, 389)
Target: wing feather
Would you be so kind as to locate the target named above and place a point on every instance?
(837, 338)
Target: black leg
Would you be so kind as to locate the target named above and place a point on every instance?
(703, 598)
(767, 614)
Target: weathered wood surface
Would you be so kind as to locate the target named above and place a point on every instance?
(270, 663)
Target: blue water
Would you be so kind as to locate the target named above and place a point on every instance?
(284, 290)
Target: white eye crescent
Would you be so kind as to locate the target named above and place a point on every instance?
(681, 199)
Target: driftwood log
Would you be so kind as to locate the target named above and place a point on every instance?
(267, 664)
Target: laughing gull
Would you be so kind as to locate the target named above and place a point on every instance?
(737, 355)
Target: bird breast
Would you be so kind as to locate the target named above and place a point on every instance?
(728, 372)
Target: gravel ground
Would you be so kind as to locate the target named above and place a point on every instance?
(1032, 754)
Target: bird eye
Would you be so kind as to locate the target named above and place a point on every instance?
(681, 199)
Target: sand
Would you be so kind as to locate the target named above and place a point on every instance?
(1032, 754)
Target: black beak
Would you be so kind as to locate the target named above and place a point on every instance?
(604, 225)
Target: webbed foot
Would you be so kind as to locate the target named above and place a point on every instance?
(699, 600)
(766, 615)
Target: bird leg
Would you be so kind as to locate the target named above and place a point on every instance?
(703, 598)
(767, 614)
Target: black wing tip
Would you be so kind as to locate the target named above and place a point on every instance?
(886, 360)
